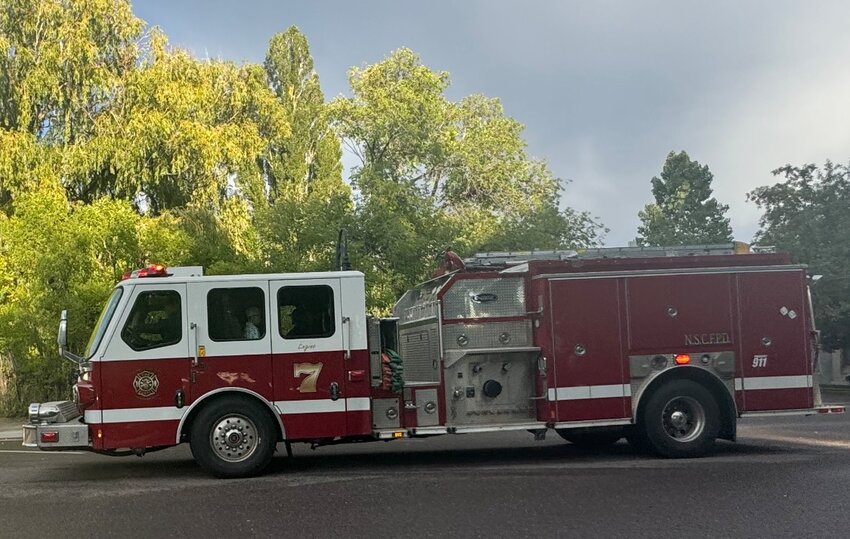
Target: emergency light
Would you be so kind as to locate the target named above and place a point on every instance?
(154, 270)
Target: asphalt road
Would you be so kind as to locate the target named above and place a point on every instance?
(785, 477)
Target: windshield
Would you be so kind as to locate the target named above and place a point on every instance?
(102, 322)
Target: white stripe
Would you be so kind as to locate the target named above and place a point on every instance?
(313, 406)
(589, 392)
(128, 415)
(318, 406)
(773, 382)
(359, 404)
(169, 413)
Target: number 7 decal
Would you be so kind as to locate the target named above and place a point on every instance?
(312, 370)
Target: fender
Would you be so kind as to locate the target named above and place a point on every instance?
(683, 371)
(221, 390)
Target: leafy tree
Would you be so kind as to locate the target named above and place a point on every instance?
(808, 215)
(62, 62)
(684, 212)
(435, 173)
(308, 199)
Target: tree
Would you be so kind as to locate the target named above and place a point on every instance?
(308, 199)
(684, 212)
(434, 173)
(808, 215)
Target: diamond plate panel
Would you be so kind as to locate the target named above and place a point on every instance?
(420, 352)
(489, 335)
(484, 298)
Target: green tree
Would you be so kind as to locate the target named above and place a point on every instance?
(684, 211)
(808, 215)
(434, 173)
(62, 62)
(308, 199)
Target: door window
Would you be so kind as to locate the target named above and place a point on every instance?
(306, 312)
(236, 314)
(156, 320)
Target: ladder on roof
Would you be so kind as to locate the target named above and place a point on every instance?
(511, 258)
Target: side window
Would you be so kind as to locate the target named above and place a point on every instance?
(306, 312)
(155, 320)
(236, 314)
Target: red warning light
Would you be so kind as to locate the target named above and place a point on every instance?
(682, 359)
(154, 270)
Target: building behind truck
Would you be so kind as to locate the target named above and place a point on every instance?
(667, 347)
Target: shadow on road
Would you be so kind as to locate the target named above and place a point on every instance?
(372, 458)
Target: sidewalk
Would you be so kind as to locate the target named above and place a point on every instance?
(10, 429)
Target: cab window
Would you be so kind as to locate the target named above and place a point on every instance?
(236, 314)
(154, 321)
(306, 312)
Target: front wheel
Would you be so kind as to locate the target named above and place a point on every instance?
(681, 419)
(233, 437)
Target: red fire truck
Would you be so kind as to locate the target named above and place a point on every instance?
(666, 347)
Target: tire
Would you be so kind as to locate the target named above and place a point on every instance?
(681, 420)
(592, 437)
(233, 437)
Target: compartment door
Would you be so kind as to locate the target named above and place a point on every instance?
(589, 379)
(774, 340)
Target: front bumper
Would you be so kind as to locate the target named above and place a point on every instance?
(56, 426)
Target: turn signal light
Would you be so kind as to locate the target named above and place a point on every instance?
(49, 437)
(682, 359)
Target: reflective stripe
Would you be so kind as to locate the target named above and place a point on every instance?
(589, 392)
(129, 415)
(359, 404)
(773, 382)
(318, 406)
(170, 413)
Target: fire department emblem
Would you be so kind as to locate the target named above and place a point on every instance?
(146, 384)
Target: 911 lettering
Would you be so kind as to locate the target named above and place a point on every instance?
(759, 361)
(312, 370)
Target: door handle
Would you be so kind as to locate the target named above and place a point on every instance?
(334, 391)
(194, 327)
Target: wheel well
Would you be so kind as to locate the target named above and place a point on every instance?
(728, 413)
(206, 401)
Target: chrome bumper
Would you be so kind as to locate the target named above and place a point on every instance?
(56, 426)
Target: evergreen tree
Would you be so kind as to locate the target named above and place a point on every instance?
(684, 212)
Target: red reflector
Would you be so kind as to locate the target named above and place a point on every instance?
(682, 359)
(49, 437)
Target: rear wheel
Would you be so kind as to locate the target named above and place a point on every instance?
(592, 437)
(681, 419)
(233, 437)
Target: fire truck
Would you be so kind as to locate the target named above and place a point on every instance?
(667, 347)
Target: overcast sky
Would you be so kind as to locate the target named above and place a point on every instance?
(605, 89)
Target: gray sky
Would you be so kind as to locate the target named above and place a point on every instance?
(605, 88)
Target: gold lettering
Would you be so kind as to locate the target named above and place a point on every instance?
(312, 370)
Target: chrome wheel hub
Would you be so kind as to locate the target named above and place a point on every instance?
(683, 419)
(234, 438)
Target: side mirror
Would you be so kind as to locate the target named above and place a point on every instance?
(62, 338)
